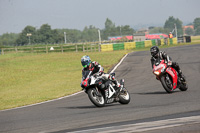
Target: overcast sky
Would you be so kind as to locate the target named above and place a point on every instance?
(15, 15)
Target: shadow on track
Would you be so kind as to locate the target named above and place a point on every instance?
(90, 107)
(154, 93)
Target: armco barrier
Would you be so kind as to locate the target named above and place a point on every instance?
(174, 41)
(118, 46)
(148, 43)
(162, 42)
(153, 42)
(140, 44)
(106, 47)
(129, 45)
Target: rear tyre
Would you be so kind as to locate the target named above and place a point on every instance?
(124, 96)
(96, 99)
(167, 83)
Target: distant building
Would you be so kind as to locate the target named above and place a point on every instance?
(156, 36)
(143, 30)
(135, 37)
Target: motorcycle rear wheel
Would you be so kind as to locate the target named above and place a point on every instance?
(95, 99)
(167, 83)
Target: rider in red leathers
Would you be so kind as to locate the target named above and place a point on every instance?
(161, 55)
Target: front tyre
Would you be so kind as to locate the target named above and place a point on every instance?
(124, 96)
(183, 86)
(96, 99)
(167, 83)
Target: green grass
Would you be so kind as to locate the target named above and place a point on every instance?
(32, 78)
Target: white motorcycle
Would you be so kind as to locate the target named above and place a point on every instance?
(101, 91)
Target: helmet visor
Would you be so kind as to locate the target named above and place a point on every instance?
(84, 64)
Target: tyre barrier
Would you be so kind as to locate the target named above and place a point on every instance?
(141, 44)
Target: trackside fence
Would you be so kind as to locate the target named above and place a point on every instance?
(51, 49)
(108, 46)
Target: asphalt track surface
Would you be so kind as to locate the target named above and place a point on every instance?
(149, 101)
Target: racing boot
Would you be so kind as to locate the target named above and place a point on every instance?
(117, 84)
(117, 89)
(182, 78)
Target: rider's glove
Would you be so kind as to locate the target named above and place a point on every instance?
(100, 73)
(96, 75)
(169, 63)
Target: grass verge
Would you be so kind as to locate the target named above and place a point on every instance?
(32, 78)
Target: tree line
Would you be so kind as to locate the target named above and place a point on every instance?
(46, 35)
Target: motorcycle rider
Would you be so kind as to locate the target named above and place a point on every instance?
(97, 70)
(161, 55)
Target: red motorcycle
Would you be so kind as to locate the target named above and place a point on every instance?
(169, 77)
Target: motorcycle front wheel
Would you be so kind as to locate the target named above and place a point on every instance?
(124, 96)
(183, 86)
(96, 97)
(167, 83)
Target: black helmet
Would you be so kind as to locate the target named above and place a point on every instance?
(85, 61)
(154, 51)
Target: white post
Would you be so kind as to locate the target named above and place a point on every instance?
(29, 35)
(65, 37)
(120, 31)
(175, 29)
(99, 36)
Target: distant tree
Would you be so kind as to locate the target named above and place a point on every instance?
(127, 30)
(169, 24)
(23, 38)
(196, 23)
(90, 34)
(159, 30)
(111, 30)
(45, 34)
(109, 24)
(151, 27)
(189, 24)
(197, 31)
(57, 37)
(189, 31)
(73, 35)
(8, 39)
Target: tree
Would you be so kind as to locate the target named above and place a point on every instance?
(8, 39)
(159, 30)
(169, 24)
(197, 31)
(196, 23)
(127, 30)
(90, 34)
(109, 24)
(45, 34)
(23, 38)
(189, 31)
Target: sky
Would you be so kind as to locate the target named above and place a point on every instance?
(15, 15)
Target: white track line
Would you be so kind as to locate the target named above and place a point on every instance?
(64, 96)
(118, 63)
(145, 126)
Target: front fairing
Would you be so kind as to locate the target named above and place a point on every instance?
(159, 68)
(174, 76)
